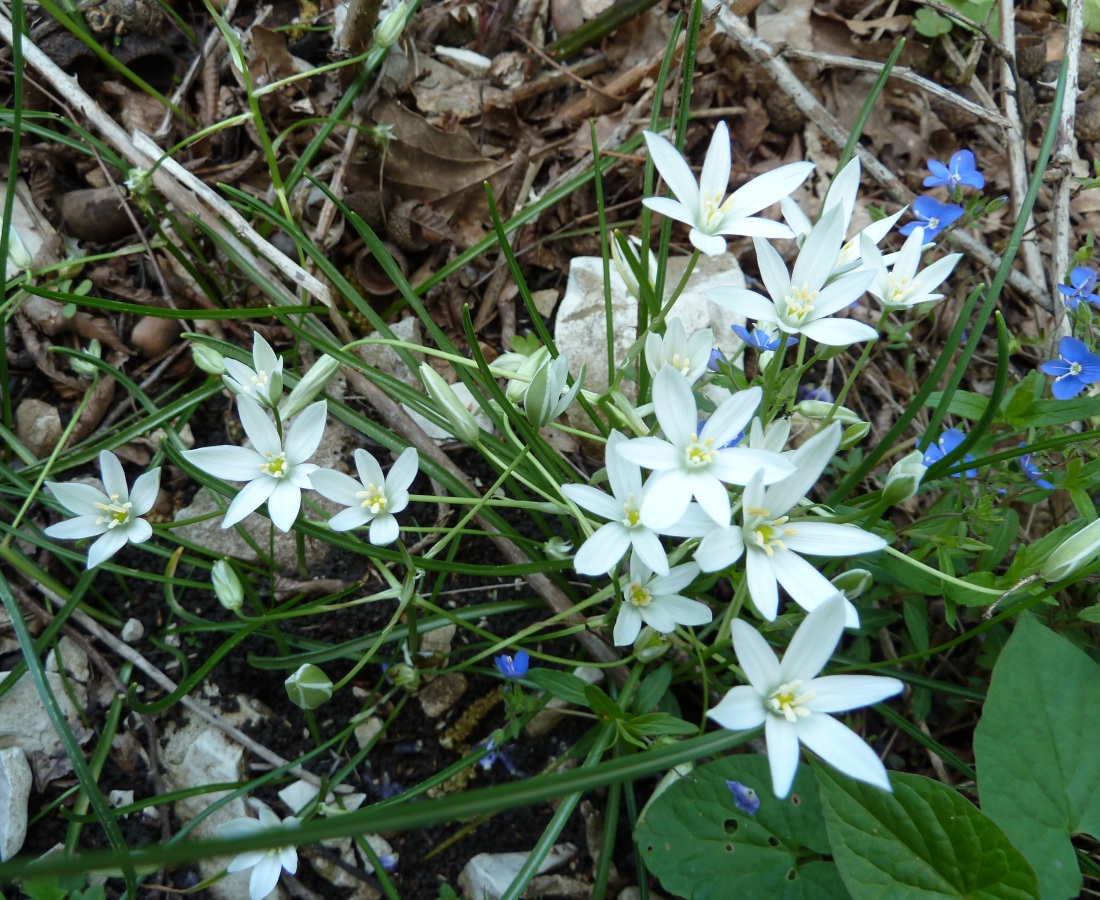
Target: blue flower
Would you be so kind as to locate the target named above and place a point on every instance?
(1082, 286)
(959, 170)
(744, 798)
(513, 666)
(819, 393)
(760, 339)
(1074, 368)
(1032, 471)
(948, 443)
(716, 361)
(932, 216)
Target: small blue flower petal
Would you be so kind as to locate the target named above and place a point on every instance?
(744, 798)
(1074, 369)
(513, 666)
(1082, 288)
(1032, 471)
(949, 442)
(932, 216)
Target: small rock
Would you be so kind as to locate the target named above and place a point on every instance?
(133, 631)
(15, 790)
(442, 693)
(38, 426)
(438, 641)
(73, 657)
(634, 893)
(154, 335)
(367, 731)
(120, 798)
(488, 875)
(385, 358)
(23, 719)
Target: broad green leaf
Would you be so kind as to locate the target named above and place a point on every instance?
(653, 688)
(1043, 413)
(651, 724)
(964, 597)
(963, 403)
(1036, 749)
(562, 685)
(602, 705)
(701, 846)
(925, 840)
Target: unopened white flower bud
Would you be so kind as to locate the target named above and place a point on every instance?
(309, 386)
(208, 359)
(904, 478)
(526, 368)
(1074, 554)
(853, 582)
(18, 254)
(308, 687)
(82, 367)
(650, 645)
(227, 586)
(623, 267)
(459, 418)
(405, 676)
(390, 28)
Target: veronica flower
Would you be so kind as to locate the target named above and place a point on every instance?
(266, 865)
(948, 443)
(772, 541)
(1032, 471)
(1074, 368)
(264, 381)
(704, 206)
(275, 474)
(932, 216)
(1082, 286)
(373, 498)
(607, 546)
(960, 169)
(800, 301)
(761, 339)
(688, 463)
(654, 600)
(689, 356)
(513, 666)
(792, 703)
(902, 286)
(113, 514)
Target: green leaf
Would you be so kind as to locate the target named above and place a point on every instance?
(650, 724)
(562, 685)
(925, 840)
(1043, 413)
(963, 403)
(1036, 751)
(964, 597)
(701, 846)
(653, 688)
(603, 706)
(43, 889)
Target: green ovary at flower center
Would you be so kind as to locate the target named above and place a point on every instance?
(769, 535)
(373, 498)
(638, 595)
(787, 701)
(700, 452)
(630, 512)
(1074, 369)
(116, 513)
(275, 466)
(800, 302)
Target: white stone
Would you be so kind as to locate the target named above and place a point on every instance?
(580, 330)
(23, 719)
(133, 631)
(367, 731)
(488, 875)
(120, 798)
(15, 790)
(73, 657)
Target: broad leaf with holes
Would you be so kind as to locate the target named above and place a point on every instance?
(700, 842)
(924, 840)
(1036, 751)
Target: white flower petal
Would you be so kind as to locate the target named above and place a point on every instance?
(720, 549)
(283, 504)
(806, 585)
(676, 580)
(665, 498)
(685, 611)
(336, 486)
(350, 518)
(740, 710)
(766, 189)
(838, 693)
(370, 472)
(403, 471)
(594, 500)
(838, 332)
(782, 740)
(248, 500)
(715, 177)
(78, 498)
(114, 478)
(651, 452)
(75, 529)
(826, 539)
(842, 748)
(675, 172)
(773, 271)
(145, 492)
(810, 460)
(226, 462)
(757, 660)
(754, 226)
(675, 406)
(672, 209)
(384, 530)
(731, 416)
(259, 428)
(814, 641)
(306, 432)
(762, 584)
(818, 254)
(263, 356)
(842, 293)
(244, 860)
(138, 531)
(602, 550)
(712, 497)
(745, 303)
(265, 876)
(648, 548)
(627, 625)
(107, 546)
(710, 244)
(737, 465)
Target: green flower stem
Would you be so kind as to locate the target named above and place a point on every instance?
(860, 363)
(502, 502)
(942, 576)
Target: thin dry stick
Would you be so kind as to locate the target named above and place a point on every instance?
(1017, 153)
(902, 73)
(741, 34)
(1062, 163)
(131, 655)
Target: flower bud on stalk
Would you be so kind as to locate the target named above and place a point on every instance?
(227, 586)
(460, 419)
(83, 368)
(623, 267)
(904, 478)
(527, 369)
(544, 401)
(1074, 554)
(208, 359)
(390, 28)
(853, 582)
(309, 386)
(309, 687)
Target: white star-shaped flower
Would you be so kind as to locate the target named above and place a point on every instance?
(772, 541)
(801, 302)
(901, 287)
(653, 599)
(275, 474)
(266, 865)
(690, 462)
(264, 381)
(689, 356)
(704, 205)
(793, 705)
(114, 513)
(606, 547)
(373, 498)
